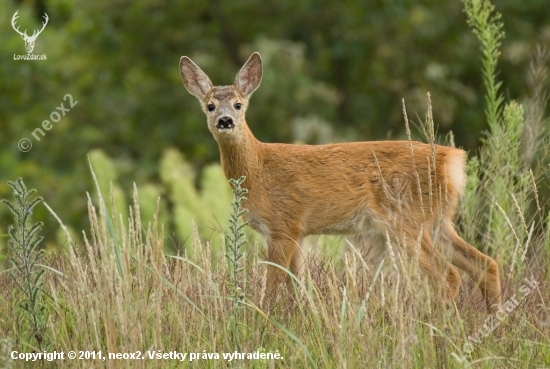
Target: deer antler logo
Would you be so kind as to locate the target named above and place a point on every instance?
(29, 40)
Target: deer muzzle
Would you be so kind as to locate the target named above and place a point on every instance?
(225, 125)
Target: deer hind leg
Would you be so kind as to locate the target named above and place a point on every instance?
(444, 278)
(481, 268)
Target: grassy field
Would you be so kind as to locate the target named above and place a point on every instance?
(119, 293)
(115, 299)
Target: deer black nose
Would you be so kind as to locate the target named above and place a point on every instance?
(225, 122)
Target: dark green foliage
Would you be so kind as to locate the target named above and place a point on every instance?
(333, 71)
(23, 243)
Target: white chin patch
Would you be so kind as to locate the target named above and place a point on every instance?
(225, 130)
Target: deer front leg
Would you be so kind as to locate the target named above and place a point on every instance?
(297, 264)
(281, 251)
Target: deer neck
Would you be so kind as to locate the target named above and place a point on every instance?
(241, 156)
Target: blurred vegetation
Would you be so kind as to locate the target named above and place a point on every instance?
(334, 71)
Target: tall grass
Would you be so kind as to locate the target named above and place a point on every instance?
(353, 316)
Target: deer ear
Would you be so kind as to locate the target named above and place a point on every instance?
(196, 82)
(250, 76)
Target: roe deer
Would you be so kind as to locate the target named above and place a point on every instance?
(403, 189)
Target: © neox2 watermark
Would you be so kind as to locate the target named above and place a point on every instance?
(25, 145)
(490, 323)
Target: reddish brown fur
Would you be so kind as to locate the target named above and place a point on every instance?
(349, 188)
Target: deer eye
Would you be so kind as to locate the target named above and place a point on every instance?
(211, 107)
(238, 106)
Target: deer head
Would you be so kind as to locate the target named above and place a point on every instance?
(29, 40)
(224, 106)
